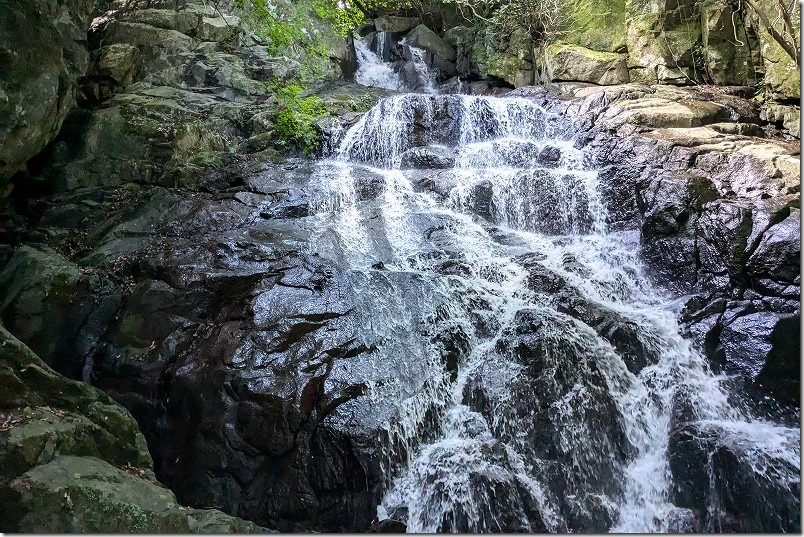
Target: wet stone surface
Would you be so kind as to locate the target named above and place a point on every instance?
(317, 339)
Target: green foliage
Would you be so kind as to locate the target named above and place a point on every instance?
(286, 31)
(542, 20)
(294, 122)
(342, 20)
(346, 15)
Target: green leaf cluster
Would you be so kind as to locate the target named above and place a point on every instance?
(347, 15)
(294, 122)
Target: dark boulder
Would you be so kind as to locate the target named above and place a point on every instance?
(781, 372)
(556, 371)
(729, 486)
(778, 255)
(430, 157)
(549, 157)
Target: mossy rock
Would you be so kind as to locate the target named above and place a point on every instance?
(43, 54)
(782, 76)
(48, 414)
(214, 521)
(184, 21)
(567, 62)
(460, 36)
(88, 495)
(728, 62)
(788, 116)
(338, 99)
(40, 434)
(423, 37)
(598, 25)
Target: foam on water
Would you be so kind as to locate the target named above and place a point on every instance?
(372, 71)
(446, 271)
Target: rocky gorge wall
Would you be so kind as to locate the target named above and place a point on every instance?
(686, 42)
(155, 249)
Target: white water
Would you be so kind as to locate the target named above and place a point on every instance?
(450, 464)
(422, 70)
(372, 71)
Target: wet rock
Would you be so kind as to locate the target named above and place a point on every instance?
(368, 184)
(387, 525)
(481, 200)
(259, 431)
(715, 475)
(440, 183)
(423, 37)
(493, 498)
(293, 203)
(540, 193)
(622, 333)
(557, 371)
(549, 157)
(746, 342)
(540, 278)
(724, 228)
(430, 157)
(454, 346)
(778, 255)
(781, 373)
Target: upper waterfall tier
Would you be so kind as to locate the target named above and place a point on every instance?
(402, 122)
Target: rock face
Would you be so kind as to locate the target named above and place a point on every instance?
(270, 324)
(177, 238)
(722, 489)
(718, 216)
(423, 37)
(569, 62)
(73, 460)
(43, 52)
(168, 98)
(782, 76)
(673, 42)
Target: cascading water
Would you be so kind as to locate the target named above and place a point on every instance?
(372, 71)
(533, 375)
(427, 81)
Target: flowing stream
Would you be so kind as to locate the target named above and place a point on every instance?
(526, 375)
(373, 71)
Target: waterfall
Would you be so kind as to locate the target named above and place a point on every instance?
(372, 71)
(527, 375)
(426, 78)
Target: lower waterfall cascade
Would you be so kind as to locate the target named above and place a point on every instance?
(538, 381)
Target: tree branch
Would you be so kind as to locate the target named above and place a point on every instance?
(789, 48)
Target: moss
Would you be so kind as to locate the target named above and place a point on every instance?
(86, 494)
(598, 25)
(295, 117)
(270, 155)
(557, 48)
(214, 521)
